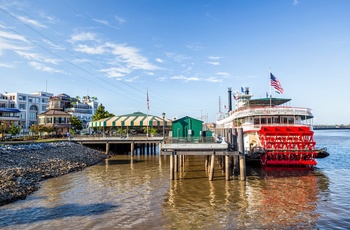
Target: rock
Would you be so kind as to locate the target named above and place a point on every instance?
(23, 166)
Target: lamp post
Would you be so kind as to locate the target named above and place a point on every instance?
(163, 115)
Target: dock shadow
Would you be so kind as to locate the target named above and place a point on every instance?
(25, 216)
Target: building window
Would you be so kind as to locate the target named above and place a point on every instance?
(33, 112)
(13, 98)
(22, 98)
(22, 106)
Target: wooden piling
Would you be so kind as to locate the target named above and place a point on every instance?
(242, 168)
(176, 161)
(107, 148)
(235, 148)
(212, 162)
(132, 148)
(227, 167)
(172, 174)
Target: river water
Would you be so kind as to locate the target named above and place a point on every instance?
(121, 193)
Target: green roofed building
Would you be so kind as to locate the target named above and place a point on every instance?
(134, 121)
(187, 127)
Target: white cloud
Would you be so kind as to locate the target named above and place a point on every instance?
(120, 20)
(31, 22)
(53, 45)
(194, 47)
(295, 2)
(90, 50)
(8, 46)
(41, 67)
(37, 57)
(130, 57)
(186, 79)
(214, 79)
(223, 74)
(214, 58)
(105, 22)
(116, 72)
(162, 78)
(12, 36)
(213, 63)
(177, 57)
(87, 36)
(133, 79)
(159, 60)
(5, 65)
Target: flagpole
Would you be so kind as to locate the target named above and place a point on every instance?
(270, 87)
(147, 105)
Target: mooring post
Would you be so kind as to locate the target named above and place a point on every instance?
(176, 161)
(132, 148)
(212, 162)
(207, 162)
(172, 166)
(227, 167)
(107, 148)
(242, 169)
(180, 161)
(235, 148)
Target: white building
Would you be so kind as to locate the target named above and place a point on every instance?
(30, 106)
(83, 110)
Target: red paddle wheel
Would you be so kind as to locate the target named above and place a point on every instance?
(287, 146)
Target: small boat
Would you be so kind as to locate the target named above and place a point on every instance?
(276, 134)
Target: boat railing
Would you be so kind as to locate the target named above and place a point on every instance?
(265, 111)
(257, 127)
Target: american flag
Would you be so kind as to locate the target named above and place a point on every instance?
(276, 84)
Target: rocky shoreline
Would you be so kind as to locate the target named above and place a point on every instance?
(22, 167)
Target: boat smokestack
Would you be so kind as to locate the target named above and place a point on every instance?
(229, 99)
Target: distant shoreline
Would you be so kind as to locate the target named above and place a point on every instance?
(330, 128)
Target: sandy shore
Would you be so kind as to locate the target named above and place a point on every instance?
(22, 167)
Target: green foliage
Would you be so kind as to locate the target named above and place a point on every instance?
(101, 113)
(151, 130)
(5, 127)
(121, 131)
(15, 129)
(41, 128)
(76, 124)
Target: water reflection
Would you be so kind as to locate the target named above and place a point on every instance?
(137, 193)
(269, 199)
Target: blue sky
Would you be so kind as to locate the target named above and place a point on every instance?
(186, 53)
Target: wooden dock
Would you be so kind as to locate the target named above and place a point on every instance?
(223, 152)
(178, 151)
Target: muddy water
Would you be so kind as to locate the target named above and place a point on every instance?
(136, 193)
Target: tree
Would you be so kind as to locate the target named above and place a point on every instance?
(121, 131)
(78, 98)
(15, 129)
(76, 124)
(101, 113)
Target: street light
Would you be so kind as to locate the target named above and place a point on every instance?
(163, 115)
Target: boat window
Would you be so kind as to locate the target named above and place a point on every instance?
(256, 121)
(263, 120)
(291, 120)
